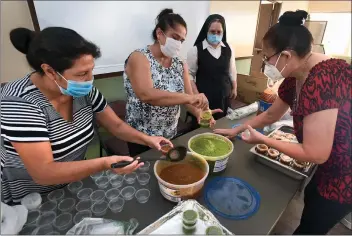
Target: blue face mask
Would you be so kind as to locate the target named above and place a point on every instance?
(75, 88)
(214, 38)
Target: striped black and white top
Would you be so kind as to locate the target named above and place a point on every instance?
(27, 116)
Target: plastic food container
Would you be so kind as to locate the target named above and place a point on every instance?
(43, 230)
(84, 205)
(97, 175)
(48, 206)
(143, 178)
(112, 193)
(130, 178)
(63, 221)
(47, 218)
(97, 196)
(84, 194)
(28, 230)
(110, 173)
(128, 192)
(145, 167)
(81, 215)
(216, 164)
(102, 182)
(177, 193)
(56, 195)
(116, 204)
(32, 217)
(31, 201)
(75, 187)
(116, 181)
(99, 208)
(142, 195)
(67, 205)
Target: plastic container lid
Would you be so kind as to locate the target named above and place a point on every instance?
(231, 198)
(239, 135)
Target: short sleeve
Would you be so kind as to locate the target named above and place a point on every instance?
(22, 121)
(97, 100)
(287, 90)
(324, 91)
(192, 62)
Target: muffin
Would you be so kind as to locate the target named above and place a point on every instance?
(273, 153)
(299, 165)
(290, 136)
(284, 159)
(261, 148)
(277, 137)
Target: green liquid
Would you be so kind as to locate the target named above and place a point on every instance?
(210, 146)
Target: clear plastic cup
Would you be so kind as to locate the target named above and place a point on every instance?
(63, 221)
(43, 230)
(56, 195)
(128, 192)
(130, 178)
(84, 205)
(143, 178)
(97, 196)
(75, 187)
(47, 218)
(67, 205)
(116, 204)
(145, 167)
(116, 181)
(110, 173)
(102, 182)
(142, 195)
(97, 175)
(81, 215)
(28, 230)
(112, 193)
(32, 201)
(84, 194)
(32, 217)
(99, 208)
(48, 206)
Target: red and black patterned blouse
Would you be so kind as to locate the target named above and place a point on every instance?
(327, 86)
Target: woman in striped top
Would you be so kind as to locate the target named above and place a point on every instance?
(47, 116)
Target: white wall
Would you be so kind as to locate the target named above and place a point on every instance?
(119, 27)
(13, 63)
(241, 22)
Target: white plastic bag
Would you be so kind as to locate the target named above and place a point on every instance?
(12, 218)
(242, 112)
(96, 226)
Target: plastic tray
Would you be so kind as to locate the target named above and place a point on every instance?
(276, 164)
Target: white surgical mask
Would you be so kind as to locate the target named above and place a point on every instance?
(171, 48)
(273, 73)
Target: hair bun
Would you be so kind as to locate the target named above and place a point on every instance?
(290, 18)
(21, 39)
(164, 12)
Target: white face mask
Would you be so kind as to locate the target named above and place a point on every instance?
(273, 73)
(171, 48)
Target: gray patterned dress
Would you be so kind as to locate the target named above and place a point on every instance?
(156, 120)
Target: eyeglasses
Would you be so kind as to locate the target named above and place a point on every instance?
(266, 59)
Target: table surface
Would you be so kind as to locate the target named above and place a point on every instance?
(276, 190)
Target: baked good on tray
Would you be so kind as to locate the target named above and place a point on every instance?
(290, 136)
(299, 165)
(286, 160)
(273, 153)
(261, 148)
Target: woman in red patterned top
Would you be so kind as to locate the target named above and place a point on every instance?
(318, 91)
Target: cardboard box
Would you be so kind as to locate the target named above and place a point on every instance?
(250, 87)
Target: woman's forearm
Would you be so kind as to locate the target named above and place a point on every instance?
(66, 172)
(194, 87)
(157, 97)
(256, 122)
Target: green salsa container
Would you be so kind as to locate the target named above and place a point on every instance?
(217, 163)
(214, 230)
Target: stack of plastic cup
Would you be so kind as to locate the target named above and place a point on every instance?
(97, 196)
(67, 205)
(116, 204)
(130, 178)
(142, 195)
(84, 194)
(116, 181)
(143, 178)
(63, 221)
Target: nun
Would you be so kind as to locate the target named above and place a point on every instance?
(212, 66)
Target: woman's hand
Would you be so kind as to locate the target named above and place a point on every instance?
(254, 136)
(233, 93)
(156, 142)
(199, 101)
(125, 170)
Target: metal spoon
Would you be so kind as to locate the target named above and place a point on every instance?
(174, 154)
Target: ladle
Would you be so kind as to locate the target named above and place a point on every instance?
(174, 154)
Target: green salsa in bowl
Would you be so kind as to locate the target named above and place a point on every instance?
(214, 148)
